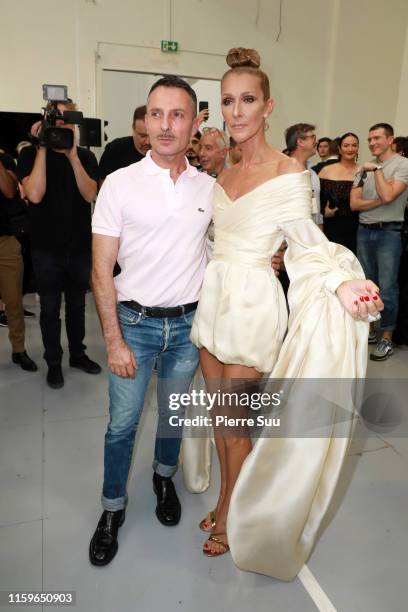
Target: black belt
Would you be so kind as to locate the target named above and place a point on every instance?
(157, 311)
(394, 225)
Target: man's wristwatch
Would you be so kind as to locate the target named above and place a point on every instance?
(377, 168)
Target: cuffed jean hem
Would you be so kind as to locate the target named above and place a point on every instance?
(388, 328)
(166, 471)
(113, 505)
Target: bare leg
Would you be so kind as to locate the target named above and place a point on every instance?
(212, 372)
(237, 448)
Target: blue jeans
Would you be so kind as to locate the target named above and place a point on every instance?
(379, 252)
(166, 340)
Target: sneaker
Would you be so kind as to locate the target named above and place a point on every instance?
(28, 314)
(383, 350)
(372, 337)
(3, 319)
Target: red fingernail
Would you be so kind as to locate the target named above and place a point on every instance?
(367, 299)
(375, 297)
(356, 303)
(361, 298)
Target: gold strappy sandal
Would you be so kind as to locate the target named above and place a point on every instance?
(205, 520)
(215, 538)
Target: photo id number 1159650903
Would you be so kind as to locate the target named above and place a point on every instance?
(30, 598)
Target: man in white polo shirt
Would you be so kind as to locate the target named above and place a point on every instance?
(152, 217)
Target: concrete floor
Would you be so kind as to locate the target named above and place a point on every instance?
(51, 449)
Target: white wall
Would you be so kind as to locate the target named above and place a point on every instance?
(370, 39)
(122, 92)
(337, 63)
(401, 120)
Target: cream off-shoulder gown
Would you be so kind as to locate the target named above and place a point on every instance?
(287, 482)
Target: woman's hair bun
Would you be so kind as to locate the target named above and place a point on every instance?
(239, 56)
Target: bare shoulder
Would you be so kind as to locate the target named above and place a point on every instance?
(329, 172)
(289, 165)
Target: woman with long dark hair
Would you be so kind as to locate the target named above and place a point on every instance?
(340, 223)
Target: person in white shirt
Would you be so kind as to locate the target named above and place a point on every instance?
(152, 217)
(301, 145)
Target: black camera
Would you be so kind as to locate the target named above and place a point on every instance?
(50, 135)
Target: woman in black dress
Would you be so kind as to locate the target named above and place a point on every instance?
(336, 180)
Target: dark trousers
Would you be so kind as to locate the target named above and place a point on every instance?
(28, 277)
(58, 273)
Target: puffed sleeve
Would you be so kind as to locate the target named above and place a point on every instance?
(310, 257)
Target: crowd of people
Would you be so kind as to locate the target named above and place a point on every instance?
(59, 235)
(152, 217)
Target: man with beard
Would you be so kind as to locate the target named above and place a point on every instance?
(192, 151)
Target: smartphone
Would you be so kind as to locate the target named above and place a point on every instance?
(202, 105)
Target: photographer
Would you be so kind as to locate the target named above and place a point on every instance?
(60, 185)
(11, 267)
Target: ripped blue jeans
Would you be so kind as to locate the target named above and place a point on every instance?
(167, 341)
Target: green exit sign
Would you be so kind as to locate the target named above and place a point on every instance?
(169, 46)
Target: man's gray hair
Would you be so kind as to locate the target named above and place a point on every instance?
(222, 139)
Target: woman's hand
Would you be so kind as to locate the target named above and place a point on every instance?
(360, 298)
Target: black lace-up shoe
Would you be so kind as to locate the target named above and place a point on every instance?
(55, 379)
(85, 364)
(168, 509)
(24, 361)
(104, 544)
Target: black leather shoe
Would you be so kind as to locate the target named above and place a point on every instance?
(85, 364)
(55, 379)
(168, 509)
(104, 544)
(24, 361)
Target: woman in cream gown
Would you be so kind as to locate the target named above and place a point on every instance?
(276, 494)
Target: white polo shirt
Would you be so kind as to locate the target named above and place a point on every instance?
(162, 229)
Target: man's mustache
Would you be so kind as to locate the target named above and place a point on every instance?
(166, 135)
